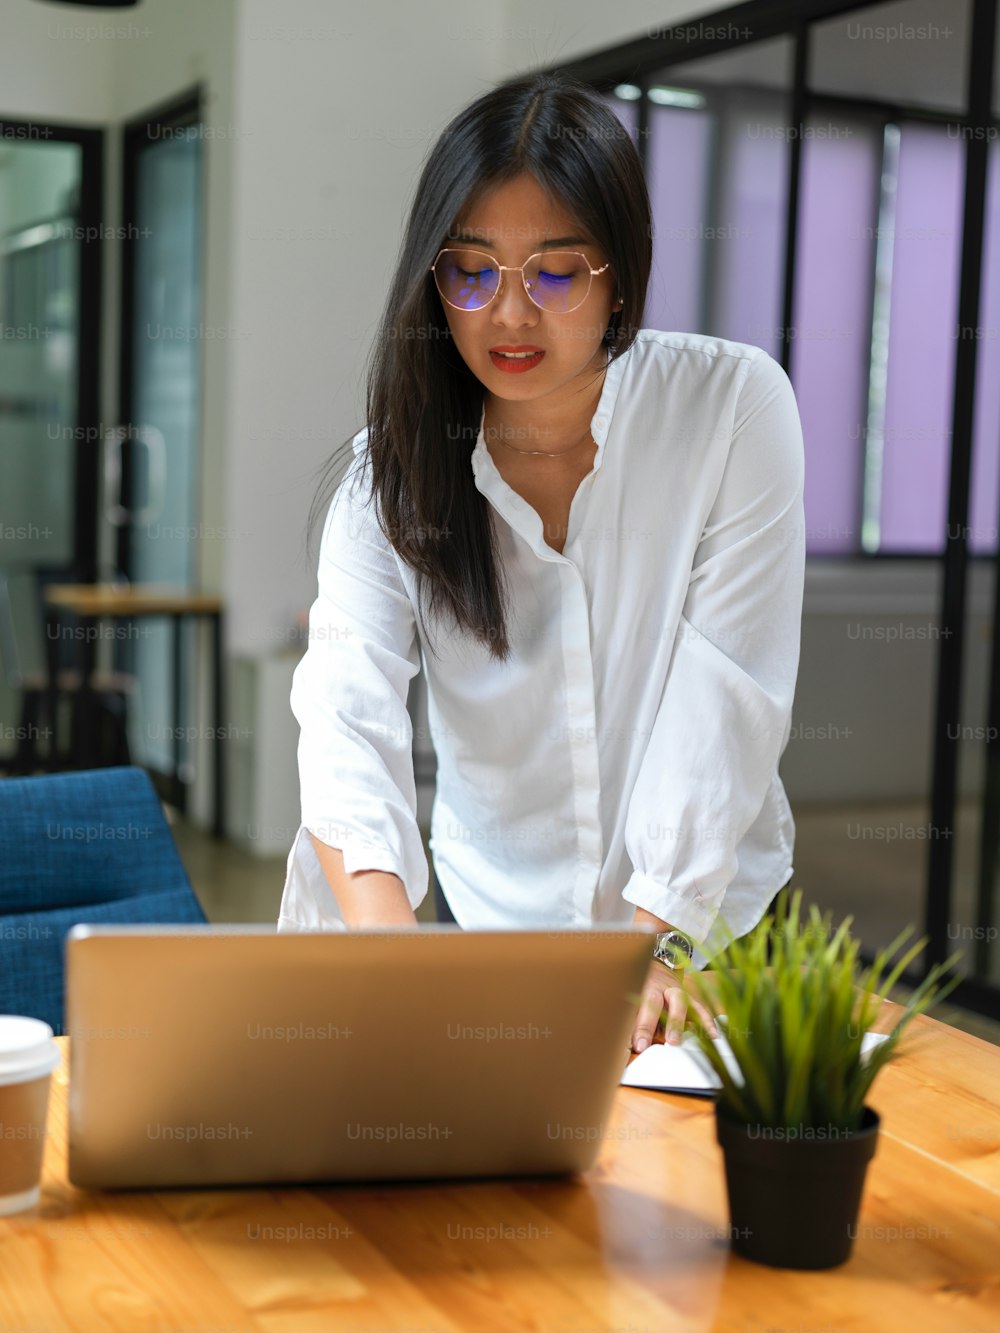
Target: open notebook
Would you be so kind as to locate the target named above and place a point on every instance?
(684, 1068)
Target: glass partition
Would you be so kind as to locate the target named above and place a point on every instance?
(718, 179)
(40, 436)
(879, 169)
(841, 231)
(39, 260)
(911, 52)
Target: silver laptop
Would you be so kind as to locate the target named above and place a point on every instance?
(217, 1055)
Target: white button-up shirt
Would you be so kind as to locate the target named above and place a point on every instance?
(627, 753)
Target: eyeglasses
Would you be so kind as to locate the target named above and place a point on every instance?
(557, 281)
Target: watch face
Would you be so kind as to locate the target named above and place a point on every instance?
(673, 949)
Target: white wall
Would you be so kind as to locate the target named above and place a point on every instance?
(53, 66)
(551, 30)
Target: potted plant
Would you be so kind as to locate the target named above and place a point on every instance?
(795, 1131)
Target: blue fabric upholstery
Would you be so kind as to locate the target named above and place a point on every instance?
(88, 847)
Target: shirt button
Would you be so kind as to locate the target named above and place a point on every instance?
(600, 422)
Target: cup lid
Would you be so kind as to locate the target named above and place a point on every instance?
(27, 1045)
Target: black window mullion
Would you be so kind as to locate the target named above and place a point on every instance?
(797, 121)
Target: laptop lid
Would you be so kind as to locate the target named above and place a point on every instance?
(212, 1055)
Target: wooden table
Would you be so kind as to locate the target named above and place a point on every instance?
(91, 602)
(638, 1243)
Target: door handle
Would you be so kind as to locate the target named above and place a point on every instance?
(156, 450)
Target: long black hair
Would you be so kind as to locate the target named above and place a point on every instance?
(424, 405)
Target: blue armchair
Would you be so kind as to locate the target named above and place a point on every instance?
(91, 846)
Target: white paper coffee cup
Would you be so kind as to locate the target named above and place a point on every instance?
(28, 1055)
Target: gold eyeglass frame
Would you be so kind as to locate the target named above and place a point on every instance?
(514, 268)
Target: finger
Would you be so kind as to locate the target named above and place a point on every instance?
(706, 1017)
(700, 1010)
(677, 1003)
(647, 1019)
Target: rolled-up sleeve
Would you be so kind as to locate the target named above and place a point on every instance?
(725, 714)
(349, 696)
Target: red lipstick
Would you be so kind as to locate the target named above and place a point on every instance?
(514, 359)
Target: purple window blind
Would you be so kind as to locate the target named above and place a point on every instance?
(731, 262)
(985, 479)
(749, 253)
(922, 325)
(678, 179)
(838, 205)
(627, 113)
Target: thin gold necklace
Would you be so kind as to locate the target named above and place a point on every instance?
(541, 453)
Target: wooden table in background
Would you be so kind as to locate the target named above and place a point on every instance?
(91, 602)
(638, 1243)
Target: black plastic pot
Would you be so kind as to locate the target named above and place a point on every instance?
(794, 1195)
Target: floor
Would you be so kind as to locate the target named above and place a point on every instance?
(881, 881)
(234, 885)
(878, 880)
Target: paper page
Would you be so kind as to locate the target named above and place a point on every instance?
(685, 1068)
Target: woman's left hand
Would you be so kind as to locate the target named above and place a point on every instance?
(664, 989)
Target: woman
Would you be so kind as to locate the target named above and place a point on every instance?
(592, 536)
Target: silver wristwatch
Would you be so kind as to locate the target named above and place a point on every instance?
(673, 949)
